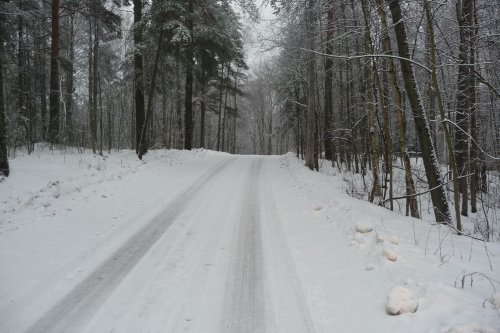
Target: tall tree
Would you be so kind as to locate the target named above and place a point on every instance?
(4, 163)
(398, 105)
(446, 131)
(55, 96)
(138, 73)
(188, 97)
(328, 135)
(69, 128)
(311, 156)
(465, 17)
(372, 130)
(438, 196)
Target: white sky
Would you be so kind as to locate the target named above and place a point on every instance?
(255, 34)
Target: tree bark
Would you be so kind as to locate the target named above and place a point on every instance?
(138, 74)
(90, 84)
(398, 101)
(54, 98)
(474, 149)
(95, 86)
(376, 190)
(328, 134)
(188, 98)
(446, 131)
(203, 105)
(42, 72)
(4, 161)
(438, 197)
(311, 87)
(149, 114)
(69, 81)
(219, 123)
(464, 16)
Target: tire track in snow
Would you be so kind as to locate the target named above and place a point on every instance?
(80, 304)
(291, 313)
(244, 305)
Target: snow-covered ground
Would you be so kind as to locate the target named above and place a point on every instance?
(208, 242)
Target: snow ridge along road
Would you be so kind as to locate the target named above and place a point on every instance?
(77, 307)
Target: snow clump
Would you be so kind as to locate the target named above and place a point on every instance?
(401, 300)
(363, 227)
(391, 255)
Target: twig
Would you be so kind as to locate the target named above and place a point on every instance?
(429, 190)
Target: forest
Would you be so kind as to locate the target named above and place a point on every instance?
(402, 97)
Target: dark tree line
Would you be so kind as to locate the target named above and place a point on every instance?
(104, 74)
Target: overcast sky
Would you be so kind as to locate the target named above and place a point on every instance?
(255, 35)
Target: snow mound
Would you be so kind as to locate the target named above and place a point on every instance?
(401, 300)
(391, 255)
(472, 328)
(363, 227)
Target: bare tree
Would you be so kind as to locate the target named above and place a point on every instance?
(438, 196)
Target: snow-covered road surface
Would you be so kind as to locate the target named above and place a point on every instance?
(207, 242)
(214, 260)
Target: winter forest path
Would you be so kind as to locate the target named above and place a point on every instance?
(215, 260)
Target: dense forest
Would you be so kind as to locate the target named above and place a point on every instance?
(376, 88)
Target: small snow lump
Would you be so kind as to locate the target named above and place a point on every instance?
(401, 300)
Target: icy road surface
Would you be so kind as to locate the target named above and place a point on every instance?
(213, 260)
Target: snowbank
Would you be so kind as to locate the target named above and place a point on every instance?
(336, 260)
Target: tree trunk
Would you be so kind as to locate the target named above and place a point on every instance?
(138, 73)
(188, 98)
(219, 123)
(42, 72)
(90, 84)
(438, 197)
(376, 191)
(387, 48)
(69, 81)
(54, 98)
(95, 86)
(178, 100)
(101, 127)
(203, 105)
(149, 115)
(4, 161)
(447, 136)
(165, 121)
(328, 142)
(464, 16)
(311, 87)
(387, 132)
(474, 149)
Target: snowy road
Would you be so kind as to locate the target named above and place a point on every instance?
(214, 260)
(205, 242)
